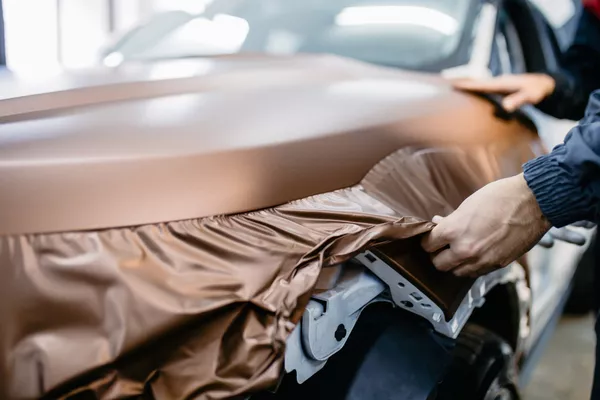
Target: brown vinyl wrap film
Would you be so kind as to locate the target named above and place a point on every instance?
(201, 307)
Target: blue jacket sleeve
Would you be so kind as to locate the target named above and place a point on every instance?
(566, 182)
(579, 75)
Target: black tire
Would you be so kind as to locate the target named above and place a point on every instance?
(483, 368)
(582, 298)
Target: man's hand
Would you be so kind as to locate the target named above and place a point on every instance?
(489, 230)
(520, 89)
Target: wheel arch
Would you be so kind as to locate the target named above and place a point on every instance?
(501, 313)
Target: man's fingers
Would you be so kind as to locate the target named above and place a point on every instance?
(474, 269)
(515, 101)
(512, 86)
(501, 85)
(434, 240)
(469, 270)
(446, 260)
(466, 270)
(437, 219)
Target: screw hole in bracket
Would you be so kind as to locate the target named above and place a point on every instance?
(340, 333)
(370, 257)
(416, 296)
(407, 304)
(401, 284)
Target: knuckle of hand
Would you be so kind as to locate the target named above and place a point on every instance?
(446, 233)
(464, 251)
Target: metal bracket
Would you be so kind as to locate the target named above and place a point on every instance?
(407, 296)
(328, 320)
(330, 316)
(297, 360)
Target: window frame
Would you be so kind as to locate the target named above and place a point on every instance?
(507, 51)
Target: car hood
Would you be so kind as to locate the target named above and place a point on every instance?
(217, 136)
(112, 183)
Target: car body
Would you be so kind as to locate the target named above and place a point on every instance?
(196, 227)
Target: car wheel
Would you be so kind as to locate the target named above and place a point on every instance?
(482, 368)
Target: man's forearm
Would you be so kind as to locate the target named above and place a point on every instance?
(566, 182)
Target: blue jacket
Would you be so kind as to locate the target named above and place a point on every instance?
(566, 182)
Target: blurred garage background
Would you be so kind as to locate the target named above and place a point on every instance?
(44, 36)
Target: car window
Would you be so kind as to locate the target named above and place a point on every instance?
(413, 34)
